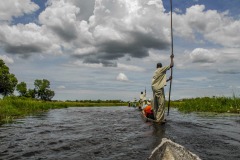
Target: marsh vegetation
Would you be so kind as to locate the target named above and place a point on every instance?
(209, 104)
(16, 107)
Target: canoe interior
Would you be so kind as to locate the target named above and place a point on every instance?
(169, 150)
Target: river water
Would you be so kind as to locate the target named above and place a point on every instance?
(116, 133)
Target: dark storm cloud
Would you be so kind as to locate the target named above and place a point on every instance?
(22, 49)
(137, 48)
(67, 34)
(95, 59)
(113, 49)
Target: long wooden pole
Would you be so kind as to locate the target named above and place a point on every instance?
(170, 88)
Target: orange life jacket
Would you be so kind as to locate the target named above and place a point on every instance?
(148, 110)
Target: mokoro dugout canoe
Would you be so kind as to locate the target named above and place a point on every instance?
(168, 150)
(149, 119)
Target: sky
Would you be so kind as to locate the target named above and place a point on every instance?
(108, 49)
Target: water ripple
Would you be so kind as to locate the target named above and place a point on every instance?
(110, 133)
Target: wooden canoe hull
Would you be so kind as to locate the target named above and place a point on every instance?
(149, 119)
(169, 150)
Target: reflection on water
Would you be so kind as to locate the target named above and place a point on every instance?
(109, 133)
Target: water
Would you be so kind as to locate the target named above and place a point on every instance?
(112, 133)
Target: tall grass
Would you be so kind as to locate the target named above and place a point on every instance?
(209, 104)
(13, 107)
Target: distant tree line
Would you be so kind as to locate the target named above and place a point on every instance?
(96, 101)
(9, 83)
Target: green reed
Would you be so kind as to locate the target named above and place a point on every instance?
(209, 104)
(16, 107)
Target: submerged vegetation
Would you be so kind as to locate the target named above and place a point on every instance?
(16, 107)
(209, 104)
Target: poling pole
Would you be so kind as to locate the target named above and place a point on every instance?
(170, 88)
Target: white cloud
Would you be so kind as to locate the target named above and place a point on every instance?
(27, 39)
(122, 77)
(119, 28)
(127, 36)
(201, 55)
(199, 58)
(6, 59)
(16, 8)
(115, 29)
(222, 60)
(228, 34)
(177, 10)
(60, 17)
(209, 23)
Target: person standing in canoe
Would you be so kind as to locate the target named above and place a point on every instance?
(158, 82)
(142, 100)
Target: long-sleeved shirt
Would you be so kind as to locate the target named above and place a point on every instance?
(159, 79)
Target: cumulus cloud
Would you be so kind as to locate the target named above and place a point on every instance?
(122, 77)
(201, 55)
(119, 28)
(60, 17)
(109, 30)
(16, 8)
(113, 29)
(208, 23)
(228, 34)
(26, 39)
(222, 60)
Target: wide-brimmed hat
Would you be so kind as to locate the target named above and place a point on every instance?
(148, 102)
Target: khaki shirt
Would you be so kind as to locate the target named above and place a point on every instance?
(159, 78)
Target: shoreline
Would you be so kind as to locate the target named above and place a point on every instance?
(12, 108)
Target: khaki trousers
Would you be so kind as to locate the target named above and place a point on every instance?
(159, 105)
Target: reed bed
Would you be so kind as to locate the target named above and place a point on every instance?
(209, 104)
(16, 107)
